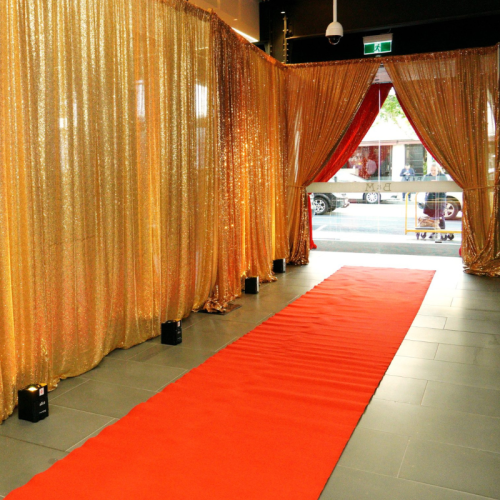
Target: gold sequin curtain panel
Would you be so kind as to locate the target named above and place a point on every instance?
(322, 101)
(181, 93)
(108, 180)
(8, 363)
(452, 97)
(252, 167)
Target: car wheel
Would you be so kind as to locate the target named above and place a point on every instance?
(320, 206)
(452, 208)
(372, 197)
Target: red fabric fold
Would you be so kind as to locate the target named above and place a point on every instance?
(359, 127)
(312, 245)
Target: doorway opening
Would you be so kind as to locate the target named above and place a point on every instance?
(367, 208)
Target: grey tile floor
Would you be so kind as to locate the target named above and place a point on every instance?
(431, 431)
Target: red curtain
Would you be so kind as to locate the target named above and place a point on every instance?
(359, 127)
(312, 245)
(362, 122)
(413, 125)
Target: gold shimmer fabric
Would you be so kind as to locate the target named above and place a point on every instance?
(181, 122)
(126, 198)
(322, 101)
(452, 97)
(8, 363)
(252, 168)
(107, 182)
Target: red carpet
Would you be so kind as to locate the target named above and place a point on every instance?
(267, 417)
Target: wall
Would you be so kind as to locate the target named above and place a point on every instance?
(242, 15)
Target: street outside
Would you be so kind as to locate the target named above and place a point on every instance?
(384, 222)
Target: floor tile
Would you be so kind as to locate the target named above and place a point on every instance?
(244, 314)
(270, 302)
(488, 357)
(416, 349)
(66, 385)
(453, 337)
(443, 371)
(203, 341)
(477, 304)
(290, 268)
(462, 398)
(300, 278)
(133, 374)
(103, 398)
(480, 283)
(456, 353)
(60, 430)
(193, 318)
(178, 356)
(401, 389)
(94, 434)
(428, 322)
(444, 292)
(473, 325)
(445, 279)
(452, 467)
(130, 353)
(437, 300)
(475, 295)
(24, 461)
(351, 484)
(434, 424)
(251, 307)
(211, 326)
(459, 312)
(374, 451)
(441, 287)
(292, 292)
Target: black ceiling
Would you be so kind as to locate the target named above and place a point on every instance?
(417, 26)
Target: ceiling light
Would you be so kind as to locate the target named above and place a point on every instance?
(244, 35)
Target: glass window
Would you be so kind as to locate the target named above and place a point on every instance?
(416, 157)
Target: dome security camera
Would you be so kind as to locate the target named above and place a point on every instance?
(334, 32)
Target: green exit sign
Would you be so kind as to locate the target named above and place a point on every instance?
(378, 47)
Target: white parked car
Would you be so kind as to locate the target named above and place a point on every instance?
(323, 203)
(454, 204)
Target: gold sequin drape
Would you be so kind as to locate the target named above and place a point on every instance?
(118, 209)
(452, 97)
(252, 168)
(322, 101)
(78, 189)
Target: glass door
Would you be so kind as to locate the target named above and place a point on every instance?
(367, 209)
